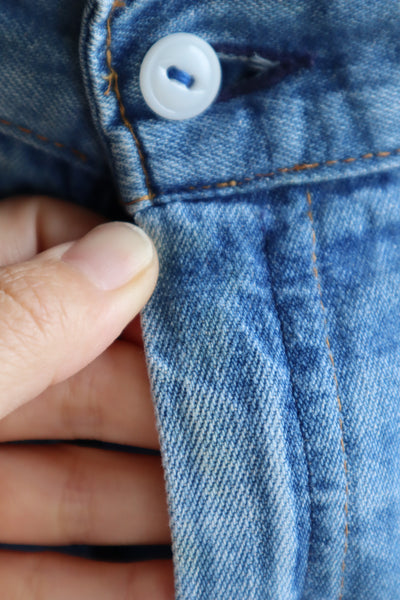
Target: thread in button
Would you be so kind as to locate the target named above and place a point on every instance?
(181, 76)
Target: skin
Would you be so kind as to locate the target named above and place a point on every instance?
(73, 367)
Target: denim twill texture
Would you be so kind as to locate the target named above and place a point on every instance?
(48, 143)
(273, 336)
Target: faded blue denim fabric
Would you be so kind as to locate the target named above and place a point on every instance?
(273, 336)
(241, 335)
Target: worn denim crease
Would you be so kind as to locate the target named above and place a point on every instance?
(279, 317)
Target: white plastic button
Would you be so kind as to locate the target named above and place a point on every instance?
(180, 76)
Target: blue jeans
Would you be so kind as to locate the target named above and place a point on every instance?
(273, 337)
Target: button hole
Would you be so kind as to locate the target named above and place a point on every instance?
(181, 76)
(246, 70)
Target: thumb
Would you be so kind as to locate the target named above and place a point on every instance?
(64, 307)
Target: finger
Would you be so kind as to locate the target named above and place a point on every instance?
(70, 495)
(32, 224)
(50, 576)
(109, 400)
(63, 308)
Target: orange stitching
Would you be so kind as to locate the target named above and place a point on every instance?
(112, 79)
(43, 138)
(306, 166)
(315, 270)
(146, 197)
(231, 183)
(78, 154)
(24, 129)
(295, 168)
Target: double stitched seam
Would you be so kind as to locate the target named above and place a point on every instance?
(339, 403)
(112, 79)
(281, 171)
(45, 139)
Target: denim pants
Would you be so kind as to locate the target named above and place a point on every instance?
(272, 339)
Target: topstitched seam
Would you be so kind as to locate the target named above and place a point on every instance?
(283, 170)
(339, 403)
(112, 79)
(43, 138)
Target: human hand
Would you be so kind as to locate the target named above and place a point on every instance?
(63, 376)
